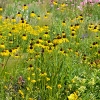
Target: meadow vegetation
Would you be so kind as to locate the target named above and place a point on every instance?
(50, 50)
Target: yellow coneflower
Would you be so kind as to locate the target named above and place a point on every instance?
(50, 43)
(73, 30)
(65, 53)
(27, 88)
(89, 27)
(32, 14)
(46, 35)
(11, 41)
(64, 23)
(33, 81)
(98, 3)
(47, 79)
(30, 67)
(40, 40)
(48, 12)
(14, 50)
(92, 64)
(59, 86)
(43, 74)
(61, 51)
(50, 49)
(55, 3)
(28, 78)
(49, 87)
(80, 16)
(5, 53)
(2, 45)
(37, 44)
(63, 5)
(21, 93)
(13, 20)
(95, 29)
(58, 40)
(76, 53)
(38, 17)
(1, 8)
(95, 44)
(0, 17)
(77, 26)
(30, 99)
(25, 7)
(10, 52)
(72, 27)
(9, 34)
(30, 49)
(64, 39)
(0, 35)
(6, 20)
(45, 16)
(98, 53)
(70, 49)
(17, 56)
(24, 37)
(37, 55)
(73, 35)
(81, 20)
(73, 96)
(19, 14)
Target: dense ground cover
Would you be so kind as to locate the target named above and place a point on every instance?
(50, 50)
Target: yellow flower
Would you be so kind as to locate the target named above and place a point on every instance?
(1, 8)
(38, 17)
(25, 7)
(5, 87)
(28, 78)
(59, 86)
(81, 20)
(72, 27)
(21, 92)
(19, 14)
(45, 16)
(46, 35)
(32, 14)
(24, 37)
(48, 79)
(5, 53)
(30, 99)
(99, 4)
(13, 20)
(43, 74)
(33, 81)
(55, 3)
(27, 88)
(48, 12)
(49, 87)
(77, 26)
(2, 45)
(63, 23)
(73, 96)
(0, 16)
(63, 5)
(73, 35)
(30, 49)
